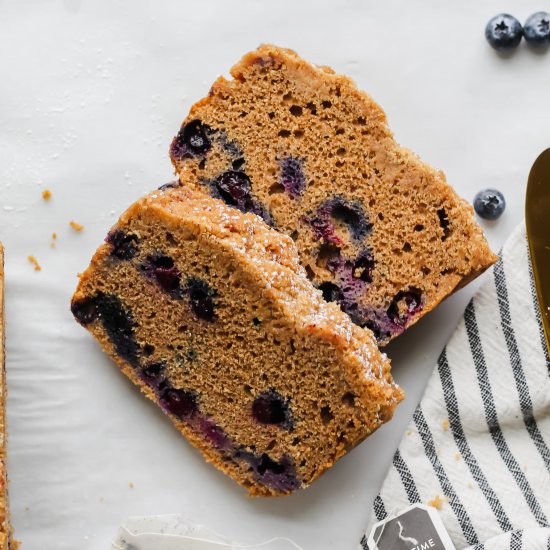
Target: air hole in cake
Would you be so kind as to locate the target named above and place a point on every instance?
(348, 399)
(419, 227)
(326, 415)
(247, 389)
(287, 96)
(161, 268)
(326, 104)
(296, 110)
(292, 176)
(444, 223)
(296, 441)
(170, 239)
(202, 164)
(124, 244)
(148, 349)
(192, 140)
(180, 403)
(340, 131)
(309, 273)
(201, 296)
(298, 133)
(284, 133)
(426, 270)
(237, 164)
(271, 115)
(312, 108)
(448, 271)
(271, 445)
(407, 247)
(256, 322)
(271, 408)
(331, 292)
(341, 151)
(339, 163)
(405, 304)
(363, 266)
(276, 188)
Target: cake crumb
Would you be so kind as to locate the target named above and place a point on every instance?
(76, 226)
(458, 456)
(445, 424)
(470, 485)
(408, 432)
(46, 194)
(34, 262)
(131, 485)
(54, 238)
(437, 502)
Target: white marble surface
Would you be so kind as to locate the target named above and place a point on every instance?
(91, 94)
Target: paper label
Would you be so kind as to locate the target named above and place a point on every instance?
(418, 527)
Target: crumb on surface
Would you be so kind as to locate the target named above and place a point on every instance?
(437, 502)
(458, 456)
(131, 485)
(34, 262)
(76, 226)
(46, 194)
(470, 485)
(445, 424)
(408, 432)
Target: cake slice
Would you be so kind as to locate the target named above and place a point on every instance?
(209, 312)
(380, 232)
(5, 528)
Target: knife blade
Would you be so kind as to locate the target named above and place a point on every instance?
(537, 221)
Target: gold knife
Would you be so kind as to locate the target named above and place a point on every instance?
(537, 221)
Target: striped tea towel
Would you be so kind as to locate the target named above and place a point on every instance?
(478, 447)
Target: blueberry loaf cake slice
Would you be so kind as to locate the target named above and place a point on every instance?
(209, 311)
(380, 232)
(5, 528)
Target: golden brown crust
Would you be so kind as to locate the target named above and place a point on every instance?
(279, 106)
(272, 330)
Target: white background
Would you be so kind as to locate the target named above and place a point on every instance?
(91, 94)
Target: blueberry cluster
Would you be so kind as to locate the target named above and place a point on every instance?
(504, 32)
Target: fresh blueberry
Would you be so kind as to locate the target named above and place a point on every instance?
(503, 32)
(271, 408)
(537, 30)
(124, 244)
(162, 269)
(192, 140)
(292, 176)
(405, 305)
(489, 204)
(180, 403)
(119, 326)
(201, 295)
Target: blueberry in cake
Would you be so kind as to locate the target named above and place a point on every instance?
(210, 313)
(5, 529)
(378, 231)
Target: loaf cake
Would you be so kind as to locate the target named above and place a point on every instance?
(4, 514)
(378, 231)
(210, 313)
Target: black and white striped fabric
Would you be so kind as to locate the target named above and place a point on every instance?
(478, 446)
